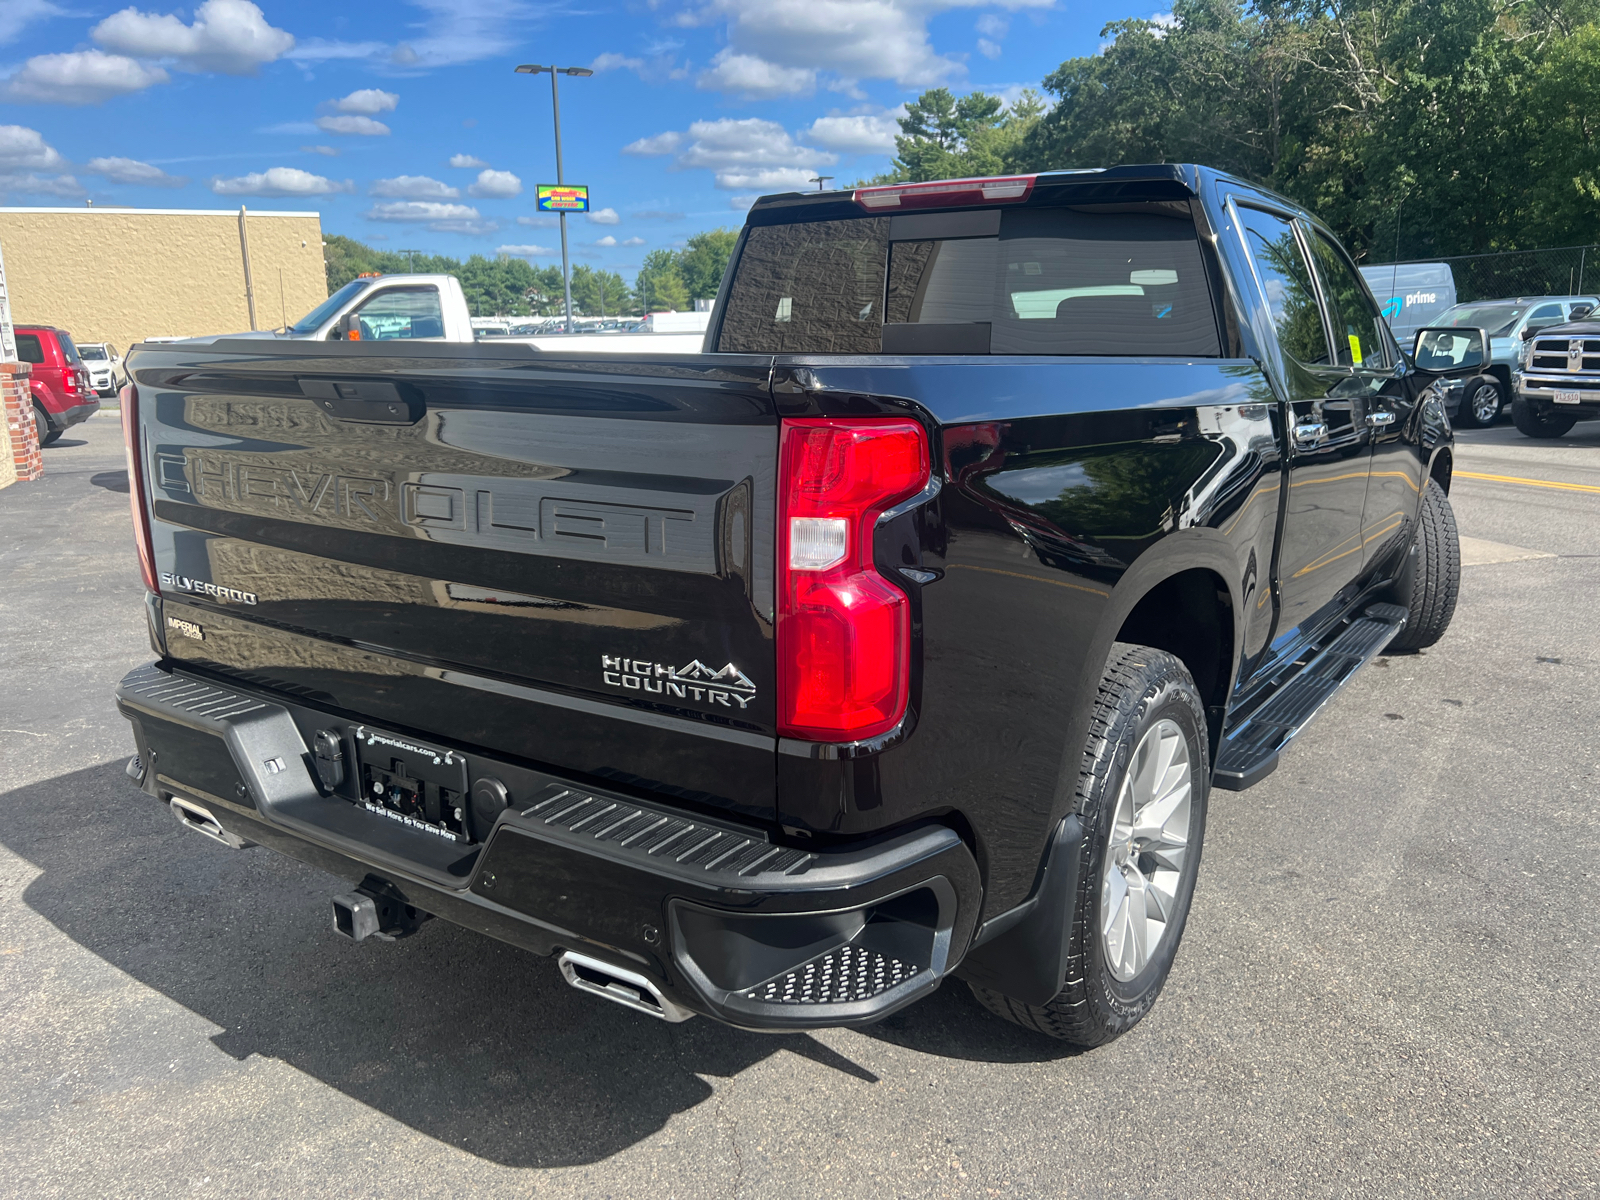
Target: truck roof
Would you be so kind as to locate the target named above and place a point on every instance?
(1182, 178)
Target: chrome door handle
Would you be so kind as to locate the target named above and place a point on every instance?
(1380, 418)
(1311, 434)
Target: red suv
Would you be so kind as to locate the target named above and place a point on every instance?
(62, 393)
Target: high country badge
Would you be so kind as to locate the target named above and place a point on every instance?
(729, 687)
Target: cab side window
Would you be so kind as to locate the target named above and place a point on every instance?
(402, 313)
(28, 348)
(1286, 281)
(1358, 333)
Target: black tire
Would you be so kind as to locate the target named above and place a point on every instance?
(1481, 402)
(1139, 688)
(1535, 422)
(1430, 580)
(41, 425)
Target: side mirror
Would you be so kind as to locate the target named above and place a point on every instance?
(1580, 311)
(350, 327)
(1450, 351)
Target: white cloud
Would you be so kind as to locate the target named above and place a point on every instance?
(32, 184)
(992, 25)
(755, 78)
(414, 187)
(989, 49)
(524, 251)
(421, 210)
(540, 222)
(325, 151)
(605, 216)
(747, 153)
(782, 40)
(661, 143)
(17, 15)
(359, 126)
(228, 36)
(496, 185)
(633, 241)
(463, 31)
(466, 160)
(82, 77)
(368, 102)
(612, 62)
(131, 170)
(279, 181)
(314, 50)
(437, 216)
(26, 149)
(864, 134)
(608, 240)
(741, 203)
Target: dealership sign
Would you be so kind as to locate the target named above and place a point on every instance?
(563, 197)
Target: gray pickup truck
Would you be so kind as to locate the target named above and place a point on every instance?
(1558, 379)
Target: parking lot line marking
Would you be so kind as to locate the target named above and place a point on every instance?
(1566, 487)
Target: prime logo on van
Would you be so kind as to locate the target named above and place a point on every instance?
(728, 687)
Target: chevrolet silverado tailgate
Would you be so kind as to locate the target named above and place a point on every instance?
(564, 559)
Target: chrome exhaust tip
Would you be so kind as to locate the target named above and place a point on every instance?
(620, 986)
(198, 818)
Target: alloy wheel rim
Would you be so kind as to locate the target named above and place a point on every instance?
(1146, 850)
(1486, 403)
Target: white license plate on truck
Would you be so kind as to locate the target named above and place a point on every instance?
(1567, 398)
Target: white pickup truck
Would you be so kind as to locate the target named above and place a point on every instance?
(434, 308)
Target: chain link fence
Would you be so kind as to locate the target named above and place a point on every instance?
(1556, 271)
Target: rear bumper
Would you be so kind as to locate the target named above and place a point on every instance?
(75, 415)
(721, 919)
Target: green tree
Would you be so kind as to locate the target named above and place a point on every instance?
(942, 137)
(660, 284)
(703, 261)
(600, 293)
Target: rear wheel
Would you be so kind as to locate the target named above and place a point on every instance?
(1481, 402)
(1142, 791)
(1535, 422)
(1431, 578)
(41, 424)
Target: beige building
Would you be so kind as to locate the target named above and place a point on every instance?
(120, 275)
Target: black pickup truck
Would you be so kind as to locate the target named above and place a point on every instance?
(901, 634)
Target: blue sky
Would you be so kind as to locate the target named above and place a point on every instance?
(405, 126)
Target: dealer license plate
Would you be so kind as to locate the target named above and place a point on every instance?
(1567, 398)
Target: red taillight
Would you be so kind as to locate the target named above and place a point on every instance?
(844, 632)
(141, 518)
(1009, 189)
(69, 381)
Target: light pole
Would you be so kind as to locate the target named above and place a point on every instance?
(555, 103)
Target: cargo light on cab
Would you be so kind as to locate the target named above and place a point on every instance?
(844, 631)
(946, 192)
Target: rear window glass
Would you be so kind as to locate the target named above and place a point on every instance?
(68, 349)
(1125, 279)
(28, 348)
(809, 288)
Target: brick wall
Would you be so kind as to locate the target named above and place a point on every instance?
(21, 458)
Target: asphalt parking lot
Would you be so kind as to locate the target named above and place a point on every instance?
(1390, 985)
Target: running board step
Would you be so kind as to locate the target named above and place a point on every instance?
(1250, 753)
